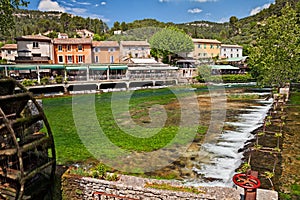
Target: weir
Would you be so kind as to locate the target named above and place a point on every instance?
(221, 156)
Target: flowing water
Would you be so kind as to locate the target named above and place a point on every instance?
(224, 155)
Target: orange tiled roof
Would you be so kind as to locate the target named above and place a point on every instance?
(72, 41)
(134, 43)
(9, 46)
(231, 45)
(105, 44)
(206, 41)
(33, 37)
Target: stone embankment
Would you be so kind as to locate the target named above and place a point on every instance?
(131, 188)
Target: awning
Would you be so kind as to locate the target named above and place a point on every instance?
(52, 67)
(76, 68)
(228, 67)
(101, 68)
(115, 67)
(25, 68)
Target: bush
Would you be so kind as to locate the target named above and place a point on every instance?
(45, 80)
(28, 82)
(59, 79)
(227, 78)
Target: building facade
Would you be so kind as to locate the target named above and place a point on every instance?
(105, 52)
(206, 48)
(134, 49)
(9, 52)
(34, 49)
(72, 50)
(231, 51)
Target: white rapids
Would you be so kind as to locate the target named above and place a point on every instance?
(222, 156)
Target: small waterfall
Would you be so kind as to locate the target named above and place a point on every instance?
(222, 157)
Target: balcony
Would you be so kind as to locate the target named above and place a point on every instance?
(32, 59)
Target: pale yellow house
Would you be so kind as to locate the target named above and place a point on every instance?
(106, 52)
(206, 48)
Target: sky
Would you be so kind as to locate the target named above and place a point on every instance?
(176, 11)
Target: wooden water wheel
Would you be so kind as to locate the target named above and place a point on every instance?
(27, 151)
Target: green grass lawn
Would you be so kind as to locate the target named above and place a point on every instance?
(68, 144)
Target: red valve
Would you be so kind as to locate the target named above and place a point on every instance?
(246, 181)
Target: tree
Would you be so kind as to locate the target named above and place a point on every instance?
(274, 57)
(170, 41)
(7, 8)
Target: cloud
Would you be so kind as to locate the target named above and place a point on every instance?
(103, 3)
(48, 5)
(77, 11)
(259, 8)
(84, 3)
(194, 10)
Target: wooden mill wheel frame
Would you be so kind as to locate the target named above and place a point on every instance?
(25, 152)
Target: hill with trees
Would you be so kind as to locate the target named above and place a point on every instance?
(235, 31)
(29, 22)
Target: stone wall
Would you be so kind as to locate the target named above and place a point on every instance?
(131, 188)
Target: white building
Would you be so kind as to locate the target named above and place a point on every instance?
(9, 52)
(134, 49)
(231, 51)
(34, 49)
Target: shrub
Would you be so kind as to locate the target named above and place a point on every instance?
(28, 82)
(45, 80)
(59, 79)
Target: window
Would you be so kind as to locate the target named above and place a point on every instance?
(199, 54)
(97, 49)
(59, 48)
(35, 45)
(199, 46)
(60, 59)
(111, 59)
(231, 50)
(211, 46)
(237, 55)
(96, 59)
(231, 55)
(204, 54)
(237, 50)
(70, 60)
(204, 46)
(69, 47)
(80, 59)
(224, 54)
(80, 47)
(111, 49)
(8, 51)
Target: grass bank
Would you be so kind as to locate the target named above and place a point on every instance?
(69, 147)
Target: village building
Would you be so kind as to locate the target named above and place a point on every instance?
(231, 51)
(34, 49)
(72, 50)
(134, 49)
(85, 33)
(105, 52)
(206, 48)
(9, 52)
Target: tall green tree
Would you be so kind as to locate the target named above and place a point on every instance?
(170, 41)
(7, 8)
(275, 56)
